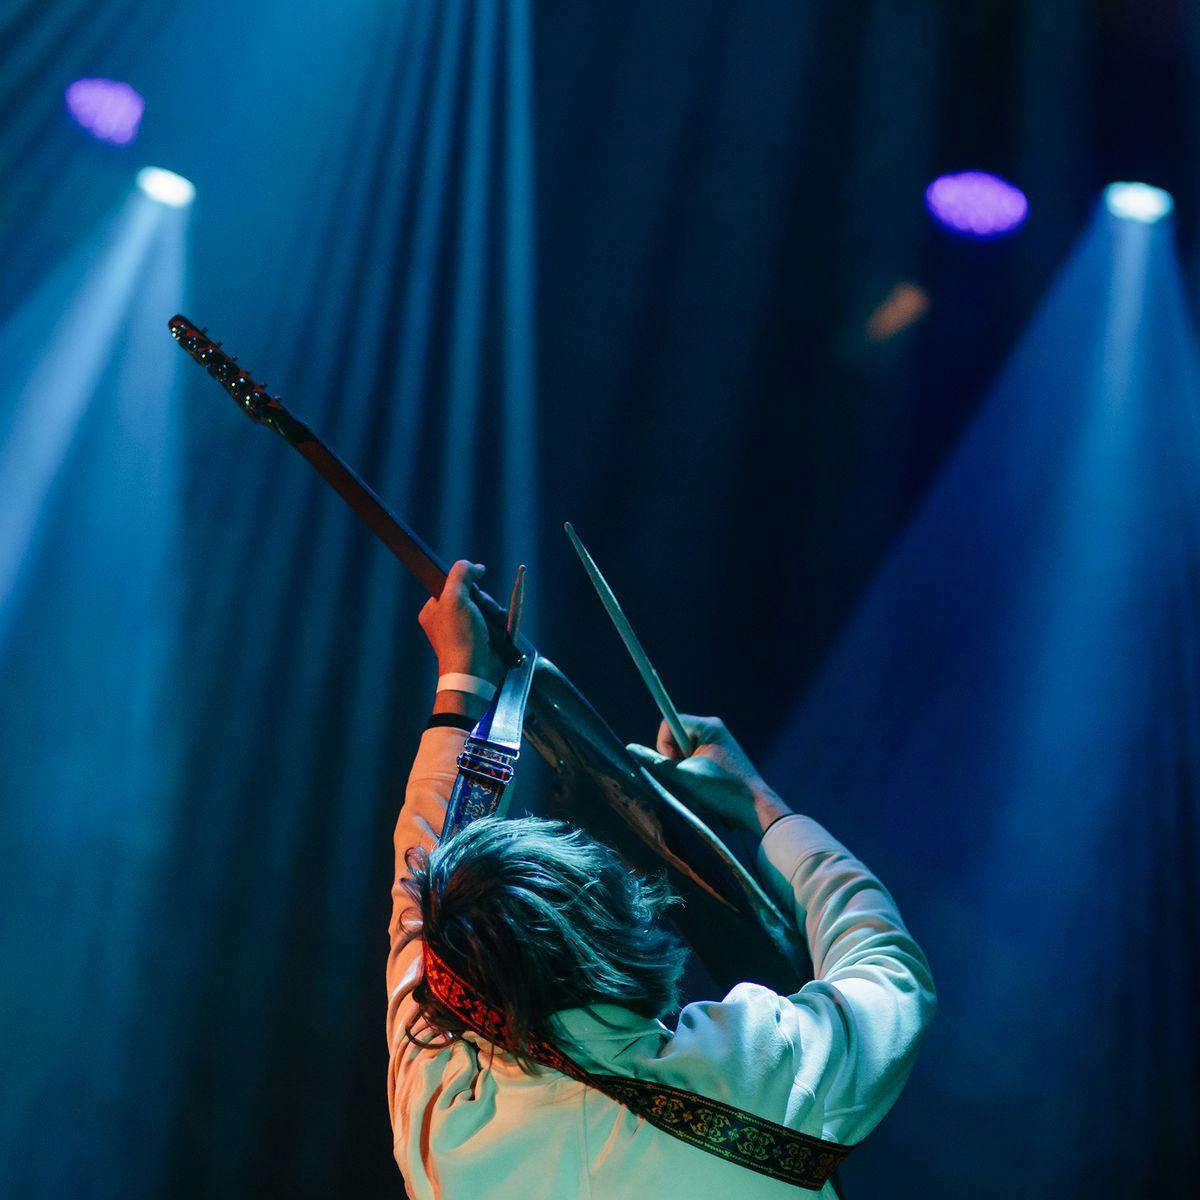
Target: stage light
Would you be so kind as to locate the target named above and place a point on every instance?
(108, 109)
(903, 306)
(1138, 202)
(166, 187)
(976, 204)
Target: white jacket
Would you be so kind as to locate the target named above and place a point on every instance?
(829, 1060)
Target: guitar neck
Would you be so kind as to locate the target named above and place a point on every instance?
(420, 561)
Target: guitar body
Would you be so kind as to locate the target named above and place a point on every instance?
(734, 930)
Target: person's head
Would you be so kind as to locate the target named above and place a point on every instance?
(537, 918)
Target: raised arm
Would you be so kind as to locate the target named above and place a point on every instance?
(833, 1056)
(455, 629)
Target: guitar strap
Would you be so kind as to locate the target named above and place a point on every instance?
(711, 1125)
(489, 756)
(486, 767)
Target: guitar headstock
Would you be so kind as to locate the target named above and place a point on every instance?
(250, 397)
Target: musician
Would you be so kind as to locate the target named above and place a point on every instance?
(565, 944)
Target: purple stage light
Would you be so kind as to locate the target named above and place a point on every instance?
(107, 109)
(976, 204)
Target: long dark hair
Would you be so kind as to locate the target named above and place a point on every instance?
(538, 917)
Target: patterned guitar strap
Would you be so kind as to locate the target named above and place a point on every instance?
(486, 767)
(489, 757)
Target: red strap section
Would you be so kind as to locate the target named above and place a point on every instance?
(711, 1125)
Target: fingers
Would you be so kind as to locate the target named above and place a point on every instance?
(644, 755)
(460, 578)
(667, 746)
(681, 778)
(665, 767)
(456, 591)
(702, 731)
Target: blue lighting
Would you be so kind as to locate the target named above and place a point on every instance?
(1138, 202)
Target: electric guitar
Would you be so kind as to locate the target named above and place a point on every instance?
(733, 928)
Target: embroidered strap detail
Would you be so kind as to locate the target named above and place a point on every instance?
(483, 774)
(489, 757)
(729, 1133)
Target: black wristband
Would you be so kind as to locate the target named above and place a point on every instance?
(453, 720)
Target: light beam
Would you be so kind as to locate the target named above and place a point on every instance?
(71, 323)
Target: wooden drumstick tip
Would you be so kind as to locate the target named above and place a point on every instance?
(516, 603)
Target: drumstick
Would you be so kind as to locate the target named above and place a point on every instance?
(516, 606)
(640, 659)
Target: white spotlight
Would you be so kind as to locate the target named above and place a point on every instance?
(166, 187)
(1138, 202)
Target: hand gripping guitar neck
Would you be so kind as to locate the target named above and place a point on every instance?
(732, 927)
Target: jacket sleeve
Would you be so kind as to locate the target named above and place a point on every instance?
(831, 1058)
(419, 825)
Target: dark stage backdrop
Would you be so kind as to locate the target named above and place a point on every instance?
(530, 261)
